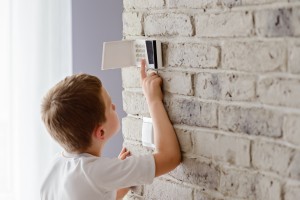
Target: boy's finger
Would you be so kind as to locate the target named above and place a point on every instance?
(124, 155)
(143, 71)
(122, 151)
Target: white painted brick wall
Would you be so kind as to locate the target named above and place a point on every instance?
(291, 129)
(175, 191)
(168, 24)
(216, 147)
(278, 22)
(201, 3)
(291, 192)
(132, 23)
(192, 112)
(193, 171)
(224, 24)
(279, 91)
(231, 72)
(250, 120)
(271, 157)
(294, 59)
(143, 4)
(192, 55)
(249, 2)
(249, 185)
(225, 86)
(254, 56)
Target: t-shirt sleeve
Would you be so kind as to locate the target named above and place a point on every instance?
(113, 174)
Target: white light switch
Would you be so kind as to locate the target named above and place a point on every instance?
(147, 133)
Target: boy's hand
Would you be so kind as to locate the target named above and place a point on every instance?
(151, 85)
(124, 154)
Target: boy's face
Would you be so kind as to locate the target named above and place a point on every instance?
(112, 124)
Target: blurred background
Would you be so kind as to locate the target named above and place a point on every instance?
(41, 42)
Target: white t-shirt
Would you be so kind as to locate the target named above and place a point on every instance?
(87, 177)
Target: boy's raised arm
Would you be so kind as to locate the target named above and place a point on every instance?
(167, 155)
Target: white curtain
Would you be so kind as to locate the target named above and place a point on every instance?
(35, 53)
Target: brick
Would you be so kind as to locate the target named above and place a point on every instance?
(255, 56)
(198, 173)
(135, 103)
(131, 77)
(132, 24)
(173, 82)
(229, 86)
(278, 22)
(291, 129)
(185, 140)
(237, 183)
(191, 111)
(249, 185)
(192, 55)
(136, 148)
(294, 169)
(268, 188)
(271, 156)
(250, 120)
(251, 2)
(230, 24)
(132, 128)
(279, 91)
(202, 4)
(200, 195)
(237, 153)
(143, 4)
(168, 25)
(165, 190)
(291, 192)
(294, 59)
(177, 82)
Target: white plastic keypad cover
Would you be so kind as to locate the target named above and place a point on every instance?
(126, 53)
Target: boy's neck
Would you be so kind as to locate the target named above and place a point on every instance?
(95, 150)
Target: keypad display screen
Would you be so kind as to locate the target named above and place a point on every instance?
(150, 51)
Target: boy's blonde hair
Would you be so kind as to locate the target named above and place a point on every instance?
(72, 109)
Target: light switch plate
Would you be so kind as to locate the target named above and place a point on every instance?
(147, 133)
(127, 53)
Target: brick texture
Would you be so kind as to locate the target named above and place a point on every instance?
(250, 120)
(294, 59)
(168, 25)
(291, 129)
(237, 153)
(202, 4)
(230, 24)
(249, 185)
(278, 22)
(158, 191)
(292, 192)
(254, 56)
(229, 86)
(231, 82)
(192, 55)
(279, 91)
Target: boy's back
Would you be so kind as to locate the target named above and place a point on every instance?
(84, 176)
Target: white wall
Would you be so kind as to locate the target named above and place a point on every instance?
(94, 22)
(232, 80)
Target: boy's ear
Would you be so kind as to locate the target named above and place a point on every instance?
(99, 133)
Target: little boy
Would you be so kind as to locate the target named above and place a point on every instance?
(80, 116)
